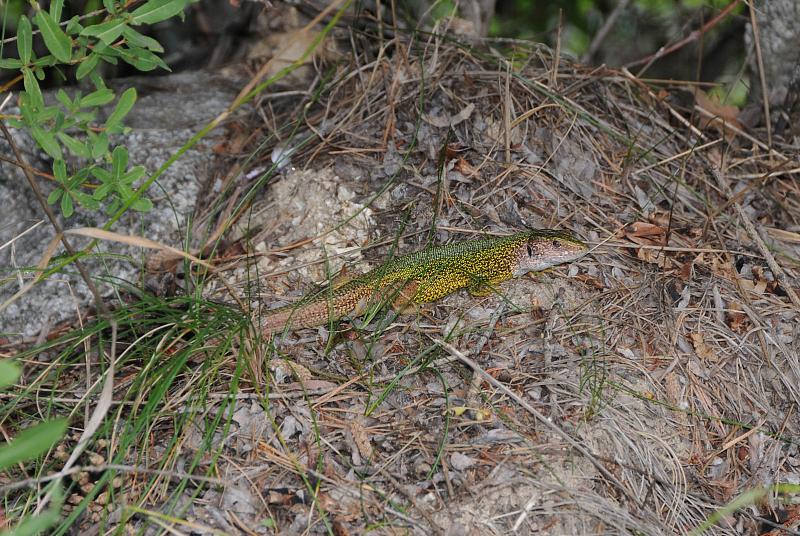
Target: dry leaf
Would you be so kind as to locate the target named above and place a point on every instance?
(361, 439)
(737, 319)
(685, 271)
(703, 350)
(673, 388)
(725, 115)
(654, 256)
(757, 287)
(464, 167)
(646, 234)
(300, 372)
(461, 461)
(453, 120)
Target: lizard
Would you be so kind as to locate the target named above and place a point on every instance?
(425, 276)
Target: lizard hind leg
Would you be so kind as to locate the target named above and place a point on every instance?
(403, 298)
(484, 287)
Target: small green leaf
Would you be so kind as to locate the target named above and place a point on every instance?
(67, 208)
(87, 65)
(106, 32)
(142, 205)
(24, 39)
(84, 117)
(26, 109)
(100, 145)
(58, 43)
(44, 61)
(113, 206)
(9, 373)
(74, 27)
(86, 200)
(54, 196)
(136, 39)
(142, 59)
(78, 148)
(32, 442)
(124, 105)
(46, 114)
(119, 161)
(98, 81)
(107, 54)
(111, 6)
(47, 141)
(10, 63)
(63, 98)
(32, 89)
(102, 191)
(55, 9)
(157, 10)
(135, 174)
(60, 120)
(125, 193)
(60, 170)
(97, 98)
(101, 174)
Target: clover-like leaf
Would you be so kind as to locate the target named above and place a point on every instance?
(67, 208)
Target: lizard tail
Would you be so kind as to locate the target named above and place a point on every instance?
(317, 312)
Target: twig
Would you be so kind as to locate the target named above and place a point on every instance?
(600, 36)
(693, 36)
(761, 76)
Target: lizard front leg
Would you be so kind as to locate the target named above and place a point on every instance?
(479, 287)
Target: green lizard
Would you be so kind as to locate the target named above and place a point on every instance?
(430, 274)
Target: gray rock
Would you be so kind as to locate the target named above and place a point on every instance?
(168, 112)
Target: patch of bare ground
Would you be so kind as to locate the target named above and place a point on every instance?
(637, 391)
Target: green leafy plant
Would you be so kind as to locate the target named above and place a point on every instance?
(70, 126)
(28, 445)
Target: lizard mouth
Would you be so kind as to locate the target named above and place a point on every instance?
(537, 263)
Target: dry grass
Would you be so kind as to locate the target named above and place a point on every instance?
(638, 391)
(668, 356)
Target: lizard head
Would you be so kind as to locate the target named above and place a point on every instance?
(543, 248)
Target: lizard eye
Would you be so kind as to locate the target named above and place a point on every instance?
(556, 244)
(530, 250)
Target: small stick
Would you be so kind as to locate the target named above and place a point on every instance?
(761, 75)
